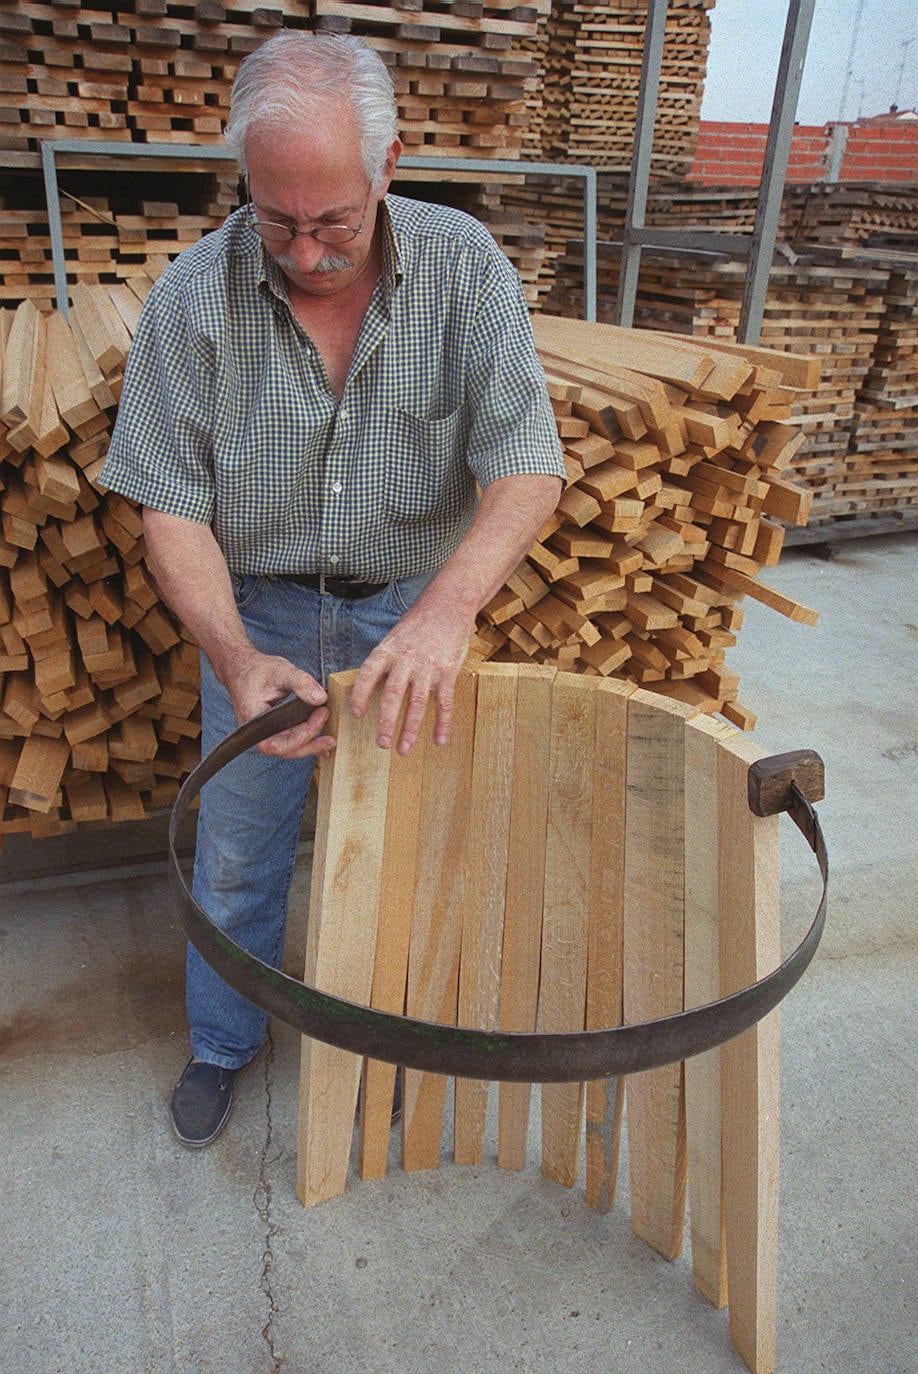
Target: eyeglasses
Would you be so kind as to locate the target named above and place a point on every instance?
(322, 233)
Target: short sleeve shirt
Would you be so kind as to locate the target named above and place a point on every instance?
(226, 416)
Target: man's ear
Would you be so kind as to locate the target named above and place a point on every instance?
(392, 157)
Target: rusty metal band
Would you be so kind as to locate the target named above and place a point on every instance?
(456, 1050)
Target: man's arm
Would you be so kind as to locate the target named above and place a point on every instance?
(426, 649)
(194, 580)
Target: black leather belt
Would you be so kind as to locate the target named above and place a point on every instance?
(347, 588)
(775, 785)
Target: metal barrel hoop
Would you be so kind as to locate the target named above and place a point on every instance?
(781, 783)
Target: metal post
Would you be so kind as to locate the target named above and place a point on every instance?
(639, 179)
(774, 172)
(55, 228)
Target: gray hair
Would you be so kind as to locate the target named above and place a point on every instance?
(289, 78)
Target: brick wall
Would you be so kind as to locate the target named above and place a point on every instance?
(884, 148)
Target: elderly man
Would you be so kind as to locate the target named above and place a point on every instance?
(337, 425)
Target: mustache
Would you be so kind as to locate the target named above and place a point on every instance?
(331, 262)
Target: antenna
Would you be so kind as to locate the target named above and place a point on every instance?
(904, 45)
(855, 29)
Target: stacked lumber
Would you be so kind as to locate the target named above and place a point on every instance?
(677, 486)
(591, 56)
(830, 310)
(108, 238)
(676, 455)
(848, 216)
(461, 74)
(881, 469)
(98, 685)
(157, 71)
(105, 238)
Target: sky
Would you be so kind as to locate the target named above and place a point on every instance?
(862, 57)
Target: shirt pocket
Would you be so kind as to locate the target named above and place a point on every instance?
(426, 473)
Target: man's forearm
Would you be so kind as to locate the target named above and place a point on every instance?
(194, 581)
(510, 514)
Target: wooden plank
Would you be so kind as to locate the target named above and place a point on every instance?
(486, 884)
(605, 1097)
(102, 327)
(653, 945)
(639, 351)
(750, 947)
(404, 818)
(21, 358)
(797, 370)
(703, 738)
(519, 992)
(37, 779)
(565, 917)
(433, 962)
(341, 934)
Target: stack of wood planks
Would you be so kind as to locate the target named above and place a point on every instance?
(591, 56)
(676, 453)
(835, 309)
(677, 488)
(158, 71)
(881, 469)
(99, 690)
(106, 238)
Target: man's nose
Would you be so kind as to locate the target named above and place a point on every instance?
(305, 251)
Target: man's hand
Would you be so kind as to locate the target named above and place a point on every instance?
(421, 656)
(258, 681)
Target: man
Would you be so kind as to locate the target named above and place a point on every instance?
(314, 395)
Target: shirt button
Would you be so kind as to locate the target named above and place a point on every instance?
(334, 558)
(343, 416)
(337, 487)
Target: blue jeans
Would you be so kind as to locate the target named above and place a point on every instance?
(251, 811)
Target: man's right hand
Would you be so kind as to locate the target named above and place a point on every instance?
(256, 681)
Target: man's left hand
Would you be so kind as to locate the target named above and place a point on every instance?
(421, 656)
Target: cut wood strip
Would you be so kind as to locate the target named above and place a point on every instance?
(750, 947)
(38, 774)
(605, 1098)
(433, 964)
(654, 952)
(486, 879)
(341, 935)
(102, 327)
(565, 925)
(390, 969)
(21, 357)
(519, 992)
(679, 363)
(703, 738)
(731, 579)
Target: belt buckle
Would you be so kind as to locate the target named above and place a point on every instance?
(340, 587)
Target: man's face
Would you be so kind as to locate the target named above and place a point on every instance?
(309, 180)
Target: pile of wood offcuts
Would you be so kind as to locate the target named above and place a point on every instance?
(675, 501)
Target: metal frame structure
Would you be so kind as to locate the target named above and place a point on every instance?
(758, 248)
(93, 148)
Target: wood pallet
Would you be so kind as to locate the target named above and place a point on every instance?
(676, 455)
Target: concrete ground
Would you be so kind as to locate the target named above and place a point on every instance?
(121, 1251)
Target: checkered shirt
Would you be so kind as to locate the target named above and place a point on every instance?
(226, 416)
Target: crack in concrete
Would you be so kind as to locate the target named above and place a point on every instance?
(262, 1199)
